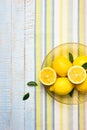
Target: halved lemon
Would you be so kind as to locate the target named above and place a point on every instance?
(77, 74)
(47, 76)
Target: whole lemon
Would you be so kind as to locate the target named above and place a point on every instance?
(61, 65)
(80, 60)
(62, 86)
(82, 87)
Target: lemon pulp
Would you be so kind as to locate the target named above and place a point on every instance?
(76, 74)
(47, 76)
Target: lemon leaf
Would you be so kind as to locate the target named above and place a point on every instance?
(26, 96)
(70, 57)
(84, 65)
(32, 83)
(71, 93)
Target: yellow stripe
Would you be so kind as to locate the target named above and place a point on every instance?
(81, 34)
(61, 4)
(61, 116)
(37, 64)
(67, 48)
(48, 48)
(81, 123)
(81, 21)
(61, 34)
(48, 25)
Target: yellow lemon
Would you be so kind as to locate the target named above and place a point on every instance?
(77, 74)
(47, 76)
(61, 65)
(80, 60)
(62, 86)
(82, 87)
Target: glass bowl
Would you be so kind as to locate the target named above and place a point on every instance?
(76, 49)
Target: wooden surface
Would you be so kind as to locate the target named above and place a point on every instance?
(12, 64)
(29, 29)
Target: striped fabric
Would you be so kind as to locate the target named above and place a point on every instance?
(29, 30)
(56, 22)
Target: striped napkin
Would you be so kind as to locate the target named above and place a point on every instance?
(57, 22)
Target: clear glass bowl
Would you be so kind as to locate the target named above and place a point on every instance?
(76, 49)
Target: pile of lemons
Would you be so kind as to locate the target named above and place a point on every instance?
(63, 75)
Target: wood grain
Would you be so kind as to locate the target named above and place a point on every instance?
(11, 65)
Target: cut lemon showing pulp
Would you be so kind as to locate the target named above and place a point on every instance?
(77, 74)
(47, 76)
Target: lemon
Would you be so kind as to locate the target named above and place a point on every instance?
(80, 60)
(61, 65)
(62, 86)
(51, 88)
(47, 76)
(82, 87)
(77, 74)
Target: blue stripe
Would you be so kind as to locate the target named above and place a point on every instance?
(71, 117)
(43, 53)
(70, 36)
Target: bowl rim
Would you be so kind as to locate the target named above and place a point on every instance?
(62, 44)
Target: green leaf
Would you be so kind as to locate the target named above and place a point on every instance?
(26, 96)
(71, 93)
(84, 65)
(70, 57)
(32, 83)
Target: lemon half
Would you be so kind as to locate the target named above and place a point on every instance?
(77, 74)
(47, 76)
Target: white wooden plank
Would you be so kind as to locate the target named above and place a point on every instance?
(5, 66)
(18, 77)
(29, 64)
